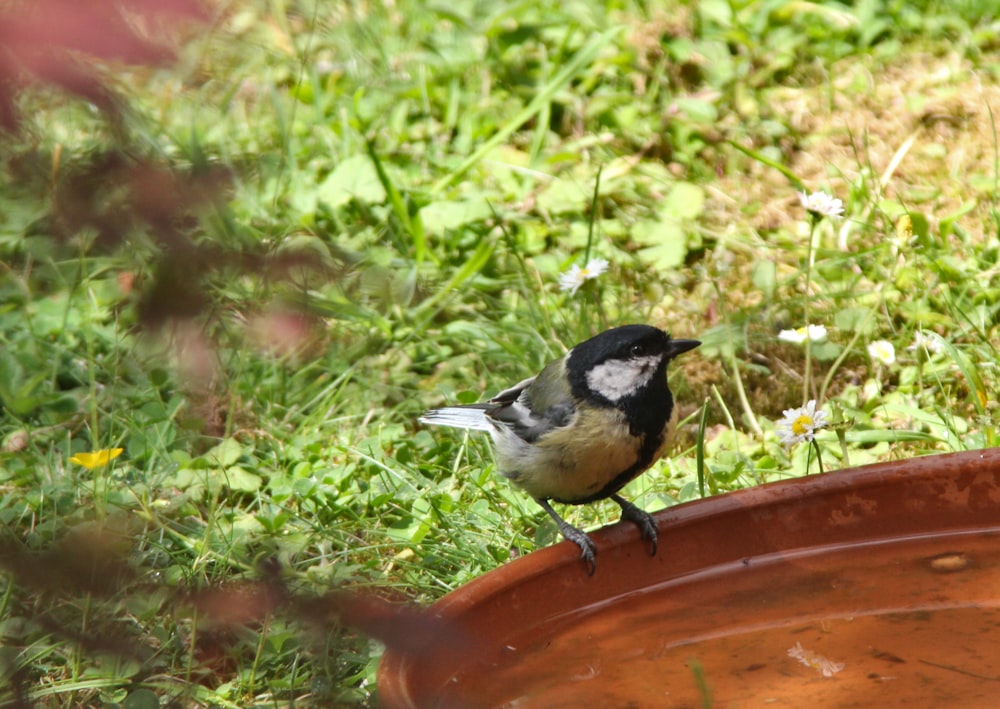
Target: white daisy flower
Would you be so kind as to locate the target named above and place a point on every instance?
(882, 351)
(575, 277)
(821, 204)
(931, 343)
(801, 424)
(801, 334)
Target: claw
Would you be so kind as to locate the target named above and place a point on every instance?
(588, 550)
(641, 518)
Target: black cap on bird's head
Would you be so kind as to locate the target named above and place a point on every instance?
(621, 362)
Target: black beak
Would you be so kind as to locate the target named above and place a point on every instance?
(677, 347)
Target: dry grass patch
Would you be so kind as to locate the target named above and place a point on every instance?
(920, 130)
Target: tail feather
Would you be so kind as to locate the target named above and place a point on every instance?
(469, 417)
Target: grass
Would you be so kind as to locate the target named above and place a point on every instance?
(405, 183)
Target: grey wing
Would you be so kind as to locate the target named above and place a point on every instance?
(509, 396)
(529, 412)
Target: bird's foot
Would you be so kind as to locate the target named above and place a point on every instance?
(588, 550)
(641, 518)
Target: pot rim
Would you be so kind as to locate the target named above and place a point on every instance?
(949, 491)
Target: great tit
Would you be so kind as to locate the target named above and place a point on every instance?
(587, 424)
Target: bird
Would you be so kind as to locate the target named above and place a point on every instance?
(583, 427)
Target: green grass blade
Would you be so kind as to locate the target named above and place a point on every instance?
(578, 63)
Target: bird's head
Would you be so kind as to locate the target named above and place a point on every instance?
(623, 363)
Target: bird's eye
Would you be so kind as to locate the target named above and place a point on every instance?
(638, 350)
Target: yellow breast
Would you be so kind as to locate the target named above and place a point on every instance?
(577, 461)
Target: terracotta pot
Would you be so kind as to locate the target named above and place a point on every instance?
(870, 587)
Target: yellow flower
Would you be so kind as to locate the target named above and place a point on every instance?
(904, 227)
(96, 459)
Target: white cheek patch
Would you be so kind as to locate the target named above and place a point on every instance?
(619, 378)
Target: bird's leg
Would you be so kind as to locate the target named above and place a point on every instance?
(641, 518)
(577, 536)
